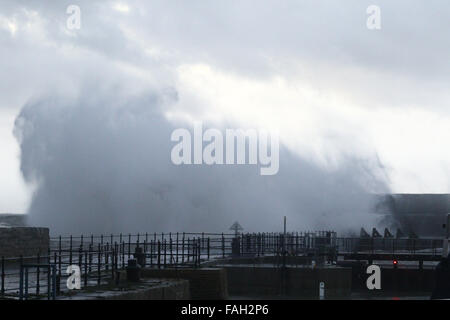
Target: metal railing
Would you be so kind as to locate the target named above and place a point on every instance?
(101, 257)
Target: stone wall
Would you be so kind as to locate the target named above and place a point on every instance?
(25, 241)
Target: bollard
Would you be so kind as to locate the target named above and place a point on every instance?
(139, 256)
(133, 271)
(322, 291)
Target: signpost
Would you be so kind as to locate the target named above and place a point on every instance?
(236, 227)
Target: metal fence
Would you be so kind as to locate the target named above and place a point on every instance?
(101, 257)
(395, 246)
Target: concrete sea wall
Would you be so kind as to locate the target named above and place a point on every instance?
(301, 282)
(204, 283)
(25, 241)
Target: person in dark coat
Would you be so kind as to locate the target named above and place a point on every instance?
(442, 277)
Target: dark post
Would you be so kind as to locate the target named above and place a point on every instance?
(170, 247)
(54, 282)
(99, 261)
(21, 281)
(26, 283)
(123, 254)
(3, 276)
(116, 257)
(59, 271)
(70, 250)
(208, 247)
(177, 250)
(55, 264)
(199, 254)
(165, 252)
(188, 249)
(151, 252)
(80, 259)
(90, 258)
(59, 245)
(159, 254)
(182, 249)
(129, 245)
(86, 268)
(49, 282)
(203, 241)
(106, 257)
(145, 250)
(112, 262)
(223, 246)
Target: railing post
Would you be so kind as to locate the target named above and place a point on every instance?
(129, 246)
(208, 247)
(116, 257)
(106, 257)
(170, 249)
(182, 249)
(54, 282)
(159, 254)
(112, 262)
(59, 271)
(49, 280)
(177, 250)
(26, 283)
(188, 250)
(80, 257)
(70, 250)
(86, 268)
(123, 254)
(165, 251)
(55, 261)
(151, 252)
(99, 262)
(199, 254)
(3, 277)
(90, 257)
(21, 280)
(223, 246)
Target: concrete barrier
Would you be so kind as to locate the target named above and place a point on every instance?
(163, 289)
(204, 283)
(25, 241)
(301, 282)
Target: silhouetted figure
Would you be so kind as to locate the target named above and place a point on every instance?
(375, 233)
(442, 277)
(387, 234)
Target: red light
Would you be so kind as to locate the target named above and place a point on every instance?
(395, 262)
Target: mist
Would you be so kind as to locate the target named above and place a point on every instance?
(101, 163)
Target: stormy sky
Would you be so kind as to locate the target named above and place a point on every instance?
(86, 114)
